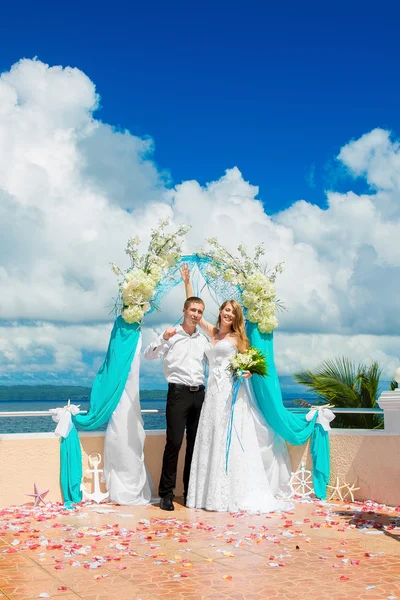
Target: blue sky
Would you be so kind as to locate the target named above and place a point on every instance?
(277, 92)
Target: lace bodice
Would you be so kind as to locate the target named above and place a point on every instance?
(219, 357)
(221, 352)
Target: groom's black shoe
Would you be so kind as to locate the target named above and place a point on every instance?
(166, 503)
(184, 499)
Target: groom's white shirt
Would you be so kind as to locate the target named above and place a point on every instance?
(182, 356)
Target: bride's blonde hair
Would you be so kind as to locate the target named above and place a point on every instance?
(237, 324)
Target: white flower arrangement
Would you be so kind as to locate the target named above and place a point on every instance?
(251, 360)
(256, 284)
(139, 282)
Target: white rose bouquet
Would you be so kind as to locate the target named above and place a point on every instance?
(256, 283)
(139, 282)
(252, 360)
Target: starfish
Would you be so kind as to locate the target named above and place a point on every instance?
(350, 490)
(336, 489)
(38, 495)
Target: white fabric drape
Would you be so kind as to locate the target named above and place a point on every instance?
(125, 473)
(274, 451)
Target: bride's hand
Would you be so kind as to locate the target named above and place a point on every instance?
(185, 273)
(246, 374)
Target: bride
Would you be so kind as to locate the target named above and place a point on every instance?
(245, 475)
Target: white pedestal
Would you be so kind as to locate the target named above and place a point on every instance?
(390, 404)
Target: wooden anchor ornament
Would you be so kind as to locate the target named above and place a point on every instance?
(97, 495)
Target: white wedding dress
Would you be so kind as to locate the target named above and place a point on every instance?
(258, 460)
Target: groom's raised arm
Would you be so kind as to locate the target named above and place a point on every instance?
(160, 344)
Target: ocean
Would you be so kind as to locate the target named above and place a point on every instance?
(46, 423)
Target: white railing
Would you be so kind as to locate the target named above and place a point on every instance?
(347, 411)
(154, 411)
(47, 413)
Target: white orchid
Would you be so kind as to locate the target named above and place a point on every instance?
(139, 283)
(256, 285)
(132, 314)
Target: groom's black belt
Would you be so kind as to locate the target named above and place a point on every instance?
(189, 388)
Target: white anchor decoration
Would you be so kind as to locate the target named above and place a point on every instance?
(97, 496)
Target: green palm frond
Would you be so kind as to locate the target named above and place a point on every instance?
(344, 384)
(343, 369)
(305, 378)
(368, 379)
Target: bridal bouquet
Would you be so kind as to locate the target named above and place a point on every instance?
(139, 282)
(252, 360)
(256, 283)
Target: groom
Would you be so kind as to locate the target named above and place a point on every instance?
(182, 352)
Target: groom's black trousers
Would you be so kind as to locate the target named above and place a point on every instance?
(183, 410)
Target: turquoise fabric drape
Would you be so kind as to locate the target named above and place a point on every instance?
(106, 393)
(293, 428)
(112, 376)
(71, 467)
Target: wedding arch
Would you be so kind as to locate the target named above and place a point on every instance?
(142, 287)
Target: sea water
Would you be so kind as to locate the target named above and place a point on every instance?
(46, 423)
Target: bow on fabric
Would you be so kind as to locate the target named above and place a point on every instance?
(218, 371)
(324, 416)
(63, 416)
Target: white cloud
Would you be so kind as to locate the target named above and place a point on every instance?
(376, 157)
(72, 190)
(53, 351)
(75, 352)
(67, 183)
(295, 352)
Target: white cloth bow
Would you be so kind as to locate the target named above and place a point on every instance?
(219, 371)
(325, 416)
(63, 416)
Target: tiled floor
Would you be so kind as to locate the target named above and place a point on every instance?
(317, 551)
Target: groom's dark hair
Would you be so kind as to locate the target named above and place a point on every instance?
(193, 300)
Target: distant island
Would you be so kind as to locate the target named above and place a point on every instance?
(60, 393)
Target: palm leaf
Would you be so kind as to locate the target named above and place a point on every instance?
(344, 384)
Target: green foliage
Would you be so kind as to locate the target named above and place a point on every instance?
(339, 381)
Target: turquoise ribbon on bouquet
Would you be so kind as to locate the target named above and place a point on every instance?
(237, 382)
(293, 428)
(106, 393)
